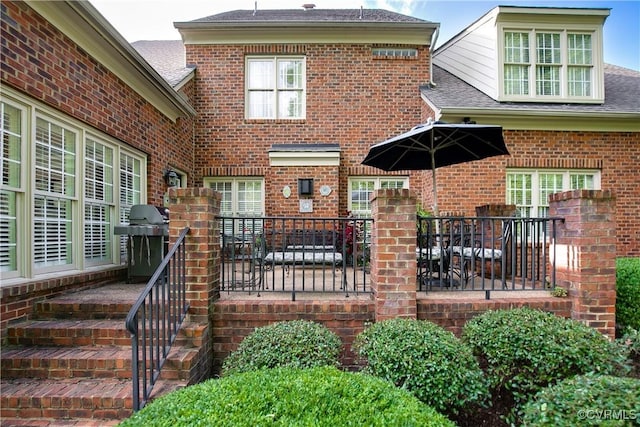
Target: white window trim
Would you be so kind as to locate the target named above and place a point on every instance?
(31, 109)
(536, 203)
(234, 189)
(376, 186)
(597, 68)
(275, 59)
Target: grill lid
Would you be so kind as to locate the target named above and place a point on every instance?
(145, 214)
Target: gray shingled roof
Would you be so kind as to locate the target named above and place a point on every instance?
(621, 86)
(167, 57)
(312, 15)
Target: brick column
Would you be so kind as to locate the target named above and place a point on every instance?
(197, 209)
(586, 255)
(393, 253)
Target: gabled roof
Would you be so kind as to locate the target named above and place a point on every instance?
(167, 57)
(451, 95)
(83, 24)
(310, 15)
(308, 26)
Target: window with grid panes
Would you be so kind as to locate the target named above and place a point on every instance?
(57, 214)
(529, 190)
(360, 189)
(275, 87)
(130, 193)
(547, 64)
(55, 185)
(11, 185)
(241, 197)
(98, 190)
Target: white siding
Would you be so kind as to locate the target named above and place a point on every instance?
(472, 57)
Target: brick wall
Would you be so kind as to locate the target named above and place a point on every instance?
(40, 61)
(352, 99)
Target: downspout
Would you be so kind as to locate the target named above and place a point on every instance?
(434, 39)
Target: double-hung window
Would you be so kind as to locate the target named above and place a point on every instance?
(55, 192)
(275, 87)
(63, 189)
(549, 65)
(529, 189)
(241, 197)
(361, 188)
(12, 185)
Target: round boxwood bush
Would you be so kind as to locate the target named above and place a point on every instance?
(523, 350)
(425, 359)
(628, 293)
(296, 344)
(586, 400)
(322, 396)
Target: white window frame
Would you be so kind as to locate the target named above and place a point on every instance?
(570, 74)
(538, 196)
(275, 88)
(234, 209)
(77, 200)
(363, 209)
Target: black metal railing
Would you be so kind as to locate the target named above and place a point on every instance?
(486, 254)
(294, 255)
(155, 319)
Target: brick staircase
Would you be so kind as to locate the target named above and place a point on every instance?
(71, 363)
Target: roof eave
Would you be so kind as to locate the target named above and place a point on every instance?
(306, 32)
(561, 120)
(83, 24)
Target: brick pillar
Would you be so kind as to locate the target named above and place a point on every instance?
(586, 255)
(197, 209)
(393, 253)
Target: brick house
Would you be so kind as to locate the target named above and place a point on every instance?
(268, 102)
(276, 110)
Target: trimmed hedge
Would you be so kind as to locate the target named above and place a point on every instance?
(586, 400)
(322, 396)
(628, 293)
(523, 350)
(425, 359)
(295, 344)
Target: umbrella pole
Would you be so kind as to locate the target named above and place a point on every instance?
(436, 212)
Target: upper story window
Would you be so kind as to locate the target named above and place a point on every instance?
(275, 87)
(551, 65)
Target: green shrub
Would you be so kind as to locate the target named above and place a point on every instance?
(296, 344)
(586, 400)
(322, 396)
(425, 359)
(628, 293)
(523, 350)
(631, 340)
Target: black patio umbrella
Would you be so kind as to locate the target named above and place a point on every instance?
(436, 144)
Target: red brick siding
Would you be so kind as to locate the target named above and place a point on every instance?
(462, 188)
(352, 99)
(41, 62)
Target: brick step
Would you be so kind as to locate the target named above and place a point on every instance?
(39, 400)
(66, 362)
(87, 362)
(69, 333)
(107, 302)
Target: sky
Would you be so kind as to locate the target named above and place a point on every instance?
(153, 19)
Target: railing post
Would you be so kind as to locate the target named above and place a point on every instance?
(393, 253)
(586, 254)
(197, 208)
